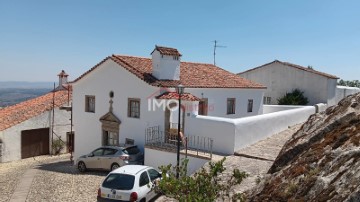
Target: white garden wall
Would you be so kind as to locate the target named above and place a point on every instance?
(344, 91)
(221, 130)
(252, 129)
(156, 158)
(230, 135)
(277, 108)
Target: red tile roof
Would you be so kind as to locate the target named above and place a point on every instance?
(294, 66)
(192, 75)
(167, 51)
(15, 114)
(175, 96)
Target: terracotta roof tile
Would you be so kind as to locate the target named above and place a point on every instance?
(12, 115)
(192, 75)
(294, 66)
(175, 96)
(167, 51)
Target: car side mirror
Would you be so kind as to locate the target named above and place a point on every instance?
(91, 155)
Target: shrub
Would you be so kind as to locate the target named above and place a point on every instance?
(57, 146)
(296, 97)
(204, 185)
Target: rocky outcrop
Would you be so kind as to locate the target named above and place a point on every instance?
(321, 162)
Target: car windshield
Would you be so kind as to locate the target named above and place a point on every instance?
(131, 150)
(119, 181)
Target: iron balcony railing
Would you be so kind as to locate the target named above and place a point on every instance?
(196, 145)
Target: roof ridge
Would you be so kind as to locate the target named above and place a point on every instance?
(292, 65)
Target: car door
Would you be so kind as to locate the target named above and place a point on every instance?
(92, 161)
(144, 186)
(108, 158)
(154, 176)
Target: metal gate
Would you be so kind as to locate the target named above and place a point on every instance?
(34, 142)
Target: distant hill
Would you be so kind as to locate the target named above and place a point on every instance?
(26, 85)
(11, 96)
(14, 92)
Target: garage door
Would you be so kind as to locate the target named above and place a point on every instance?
(34, 142)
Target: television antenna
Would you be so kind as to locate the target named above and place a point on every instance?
(216, 46)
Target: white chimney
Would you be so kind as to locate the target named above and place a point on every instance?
(63, 79)
(166, 63)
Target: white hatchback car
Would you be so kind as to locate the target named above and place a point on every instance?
(129, 183)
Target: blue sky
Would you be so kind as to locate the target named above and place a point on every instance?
(40, 38)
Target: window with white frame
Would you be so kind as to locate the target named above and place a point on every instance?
(134, 108)
(90, 103)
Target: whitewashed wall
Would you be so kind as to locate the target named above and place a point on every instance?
(281, 78)
(12, 136)
(221, 130)
(110, 77)
(230, 135)
(344, 91)
(156, 158)
(277, 108)
(252, 129)
(217, 101)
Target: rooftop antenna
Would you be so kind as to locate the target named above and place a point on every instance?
(216, 46)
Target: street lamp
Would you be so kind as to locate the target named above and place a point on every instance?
(179, 90)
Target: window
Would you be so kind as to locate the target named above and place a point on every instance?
(230, 106)
(119, 181)
(134, 108)
(267, 100)
(203, 106)
(144, 179)
(109, 151)
(111, 138)
(90, 103)
(250, 105)
(176, 57)
(98, 152)
(129, 141)
(154, 174)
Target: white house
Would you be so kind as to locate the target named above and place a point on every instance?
(282, 77)
(28, 128)
(117, 100)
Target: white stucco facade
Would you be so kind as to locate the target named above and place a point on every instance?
(110, 76)
(11, 137)
(281, 78)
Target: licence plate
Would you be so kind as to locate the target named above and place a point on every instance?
(114, 196)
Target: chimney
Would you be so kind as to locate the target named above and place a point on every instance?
(166, 63)
(62, 79)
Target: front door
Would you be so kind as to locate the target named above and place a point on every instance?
(70, 137)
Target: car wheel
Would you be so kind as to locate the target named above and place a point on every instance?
(114, 166)
(81, 166)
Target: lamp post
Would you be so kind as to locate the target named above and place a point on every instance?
(179, 91)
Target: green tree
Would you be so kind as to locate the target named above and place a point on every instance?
(296, 97)
(205, 185)
(353, 83)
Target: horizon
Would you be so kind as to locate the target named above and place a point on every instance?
(40, 39)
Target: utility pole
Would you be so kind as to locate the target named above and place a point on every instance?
(216, 46)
